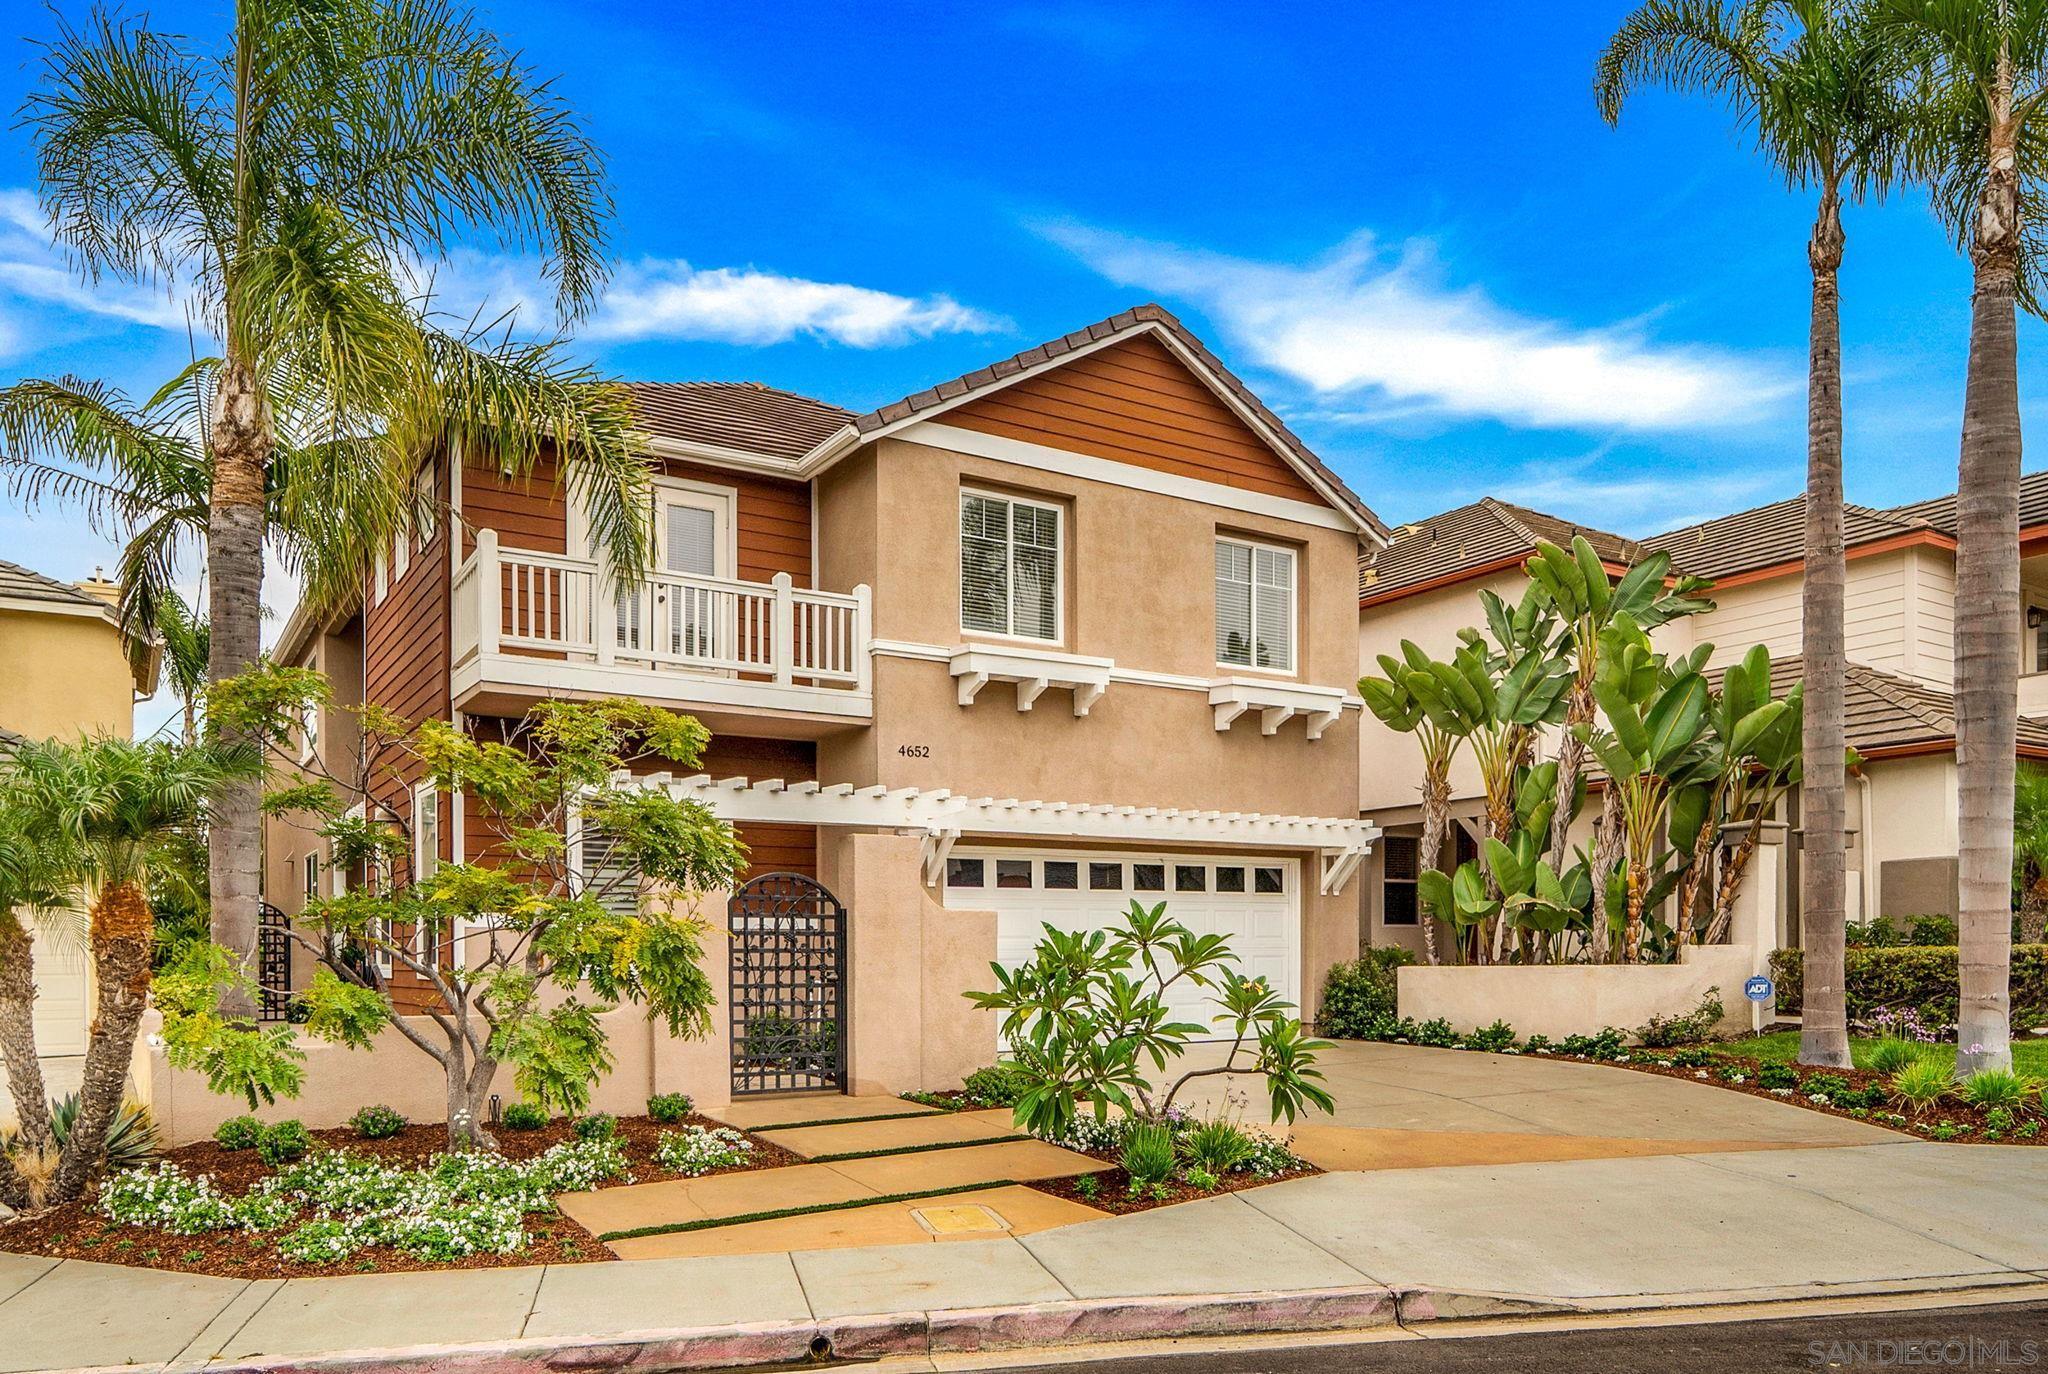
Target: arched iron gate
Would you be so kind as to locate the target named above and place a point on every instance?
(788, 994)
(273, 963)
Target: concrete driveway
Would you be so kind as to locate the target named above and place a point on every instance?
(1405, 1107)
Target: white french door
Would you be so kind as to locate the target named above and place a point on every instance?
(671, 615)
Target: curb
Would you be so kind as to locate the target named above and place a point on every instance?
(952, 1331)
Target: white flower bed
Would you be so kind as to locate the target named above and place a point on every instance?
(464, 1204)
(698, 1149)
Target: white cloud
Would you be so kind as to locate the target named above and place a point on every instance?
(33, 271)
(1388, 329)
(667, 298)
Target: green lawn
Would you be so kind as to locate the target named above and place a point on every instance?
(2028, 1056)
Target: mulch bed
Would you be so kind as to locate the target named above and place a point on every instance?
(1968, 1122)
(1113, 1189)
(75, 1231)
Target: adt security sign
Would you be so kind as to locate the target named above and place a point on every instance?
(1759, 989)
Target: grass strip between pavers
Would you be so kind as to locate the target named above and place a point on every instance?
(843, 1121)
(776, 1214)
(914, 1149)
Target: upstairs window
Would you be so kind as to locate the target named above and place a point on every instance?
(1009, 567)
(426, 509)
(1254, 606)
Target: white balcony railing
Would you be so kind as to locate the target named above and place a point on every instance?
(521, 604)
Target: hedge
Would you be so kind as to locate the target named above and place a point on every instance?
(1922, 977)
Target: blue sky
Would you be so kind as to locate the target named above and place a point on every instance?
(1404, 225)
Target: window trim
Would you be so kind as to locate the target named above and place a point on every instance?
(1059, 566)
(1413, 884)
(1293, 668)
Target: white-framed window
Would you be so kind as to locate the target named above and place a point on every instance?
(1010, 567)
(381, 578)
(312, 877)
(401, 556)
(309, 732)
(428, 512)
(1401, 855)
(1254, 605)
(426, 831)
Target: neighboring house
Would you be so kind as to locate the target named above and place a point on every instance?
(66, 669)
(1073, 629)
(1899, 625)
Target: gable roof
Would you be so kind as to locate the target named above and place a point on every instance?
(1485, 536)
(1940, 512)
(799, 436)
(1885, 713)
(1767, 536)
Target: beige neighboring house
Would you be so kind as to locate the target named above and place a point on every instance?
(1075, 628)
(66, 669)
(1900, 616)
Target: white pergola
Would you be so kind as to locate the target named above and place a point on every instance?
(1341, 843)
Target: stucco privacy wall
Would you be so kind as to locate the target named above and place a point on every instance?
(1573, 999)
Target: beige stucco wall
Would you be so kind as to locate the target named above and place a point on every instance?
(1912, 815)
(1577, 999)
(61, 675)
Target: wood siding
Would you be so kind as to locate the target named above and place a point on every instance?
(774, 516)
(1133, 402)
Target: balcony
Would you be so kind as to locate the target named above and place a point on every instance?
(771, 656)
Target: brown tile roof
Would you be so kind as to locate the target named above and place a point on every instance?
(738, 415)
(945, 392)
(1768, 535)
(25, 584)
(1479, 535)
(1885, 711)
(1940, 511)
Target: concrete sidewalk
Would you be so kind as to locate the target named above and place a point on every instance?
(1339, 1250)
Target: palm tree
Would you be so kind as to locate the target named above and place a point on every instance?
(1978, 142)
(285, 183)
(187, 645)
(34, 886)
(1812, 81)
(2030, 850)
(109, 803)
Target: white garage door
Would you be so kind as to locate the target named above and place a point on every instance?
(1253, 902)
(63, 993)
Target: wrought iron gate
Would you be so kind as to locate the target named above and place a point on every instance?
(788, 995)
(273, 963)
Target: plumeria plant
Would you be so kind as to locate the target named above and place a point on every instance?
(1082, 1017)
(512, 957)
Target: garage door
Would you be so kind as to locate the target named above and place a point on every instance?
(1253, 902)
(63, 992)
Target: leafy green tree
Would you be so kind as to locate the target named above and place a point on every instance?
(1083, 1018)
(518, 953)
(2030, 850)
(1981, 113)
(102, 807)
(292, 182)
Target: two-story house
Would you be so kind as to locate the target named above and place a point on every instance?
(1074, 629)
(1899, 627)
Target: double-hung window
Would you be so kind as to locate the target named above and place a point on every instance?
(1009, 566)
(1254, 606)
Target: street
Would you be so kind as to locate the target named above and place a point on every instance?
(1993, 1337)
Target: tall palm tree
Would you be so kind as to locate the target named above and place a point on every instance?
(34, 886)
(282, 182)
(1979, 143)
(110, 803)
(1813, 82)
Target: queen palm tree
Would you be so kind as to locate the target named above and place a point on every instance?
(1979, 130)
(108, 804)
(284, 183)
(1813, 82)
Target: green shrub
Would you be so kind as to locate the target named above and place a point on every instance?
(1087, 1187)
(1777, 1076)
(998, 1085)
(667, 1109)
(1538, 1044)
(132, 1139)
(1359, 996)
(523, 1116)
(1829, 1085)
(1147, 1155)
(1437, 1033)
(377, 1123)
(596, 1126)
(1604, 1044)
(1921, 1084)
(238, 1133)
(1921, 977)
(699, 1150)
(1201, 1178)
(1491, 1039)
(1988, 1088)
(1217, 1146)
(1889, 1056)
(1693, 1057)
(283, 1142)
(1686, 1028)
